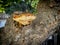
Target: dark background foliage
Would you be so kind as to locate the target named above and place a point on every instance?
(10, 6)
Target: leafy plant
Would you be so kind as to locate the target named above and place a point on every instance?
(10, 6)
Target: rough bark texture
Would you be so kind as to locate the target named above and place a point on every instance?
(34, 34)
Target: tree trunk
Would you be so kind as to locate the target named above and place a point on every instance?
(34, 34)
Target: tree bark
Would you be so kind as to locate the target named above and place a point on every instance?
(34, 34)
